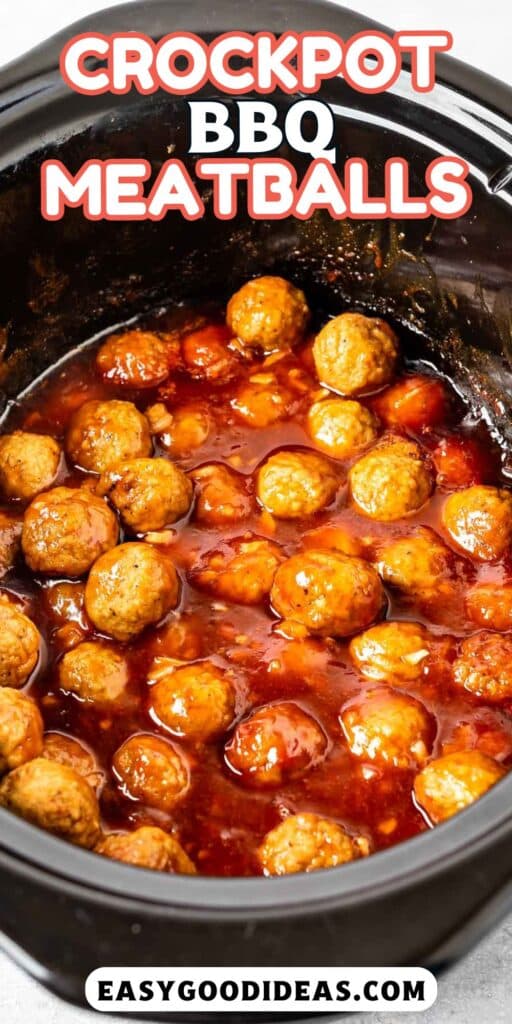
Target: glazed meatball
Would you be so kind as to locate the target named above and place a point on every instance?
(414, 403)
(101, 434)
(129, 588)
(262, 401)
(392, 651)
(484, 666)
(451, 783)
(10, 537)
(94, 671)
(183, 430)
(68, 751)
(151, 770)
(147, 847)
(21, 729)
(20, 645)
(196, 701)
(341, 428)
(292, 485)
(355, 353)
(388, 728)
(65, 530)
(419, 565)
(29, 463)
(54, 797)
(268, 313)
(490, 605)
(148, 493)
(206, 355)
(391, 481)
(306, 842)
(479, 521)
(460, 462)
(329, 593)
(242, 570)
(65, 602)
(277, 743)
(223, 496)
(137, 359)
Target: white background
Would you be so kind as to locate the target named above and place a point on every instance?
(479, 988)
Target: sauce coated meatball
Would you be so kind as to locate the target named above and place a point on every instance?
(196, 701)
(94, 671)
(148, 493)
(479, 521)
(68, 751)
(388, 728)
(451, 783)
(21, 729)
(355, 353)
(292, 485)
(129, 588)
(341, 428)
(268, 313)
(10, 537)
(392, 652)
(65, 530)
(101, 434)
(329, 593)
(484, 666)
(206, 355)
(306, 842)
(150, 770)
(137, 359)
(242, 571)
(223, 496)
(262, 401)
(418, 565)
(20, 645)
(276, 743)
(147, 847)
(53, 797)
(391, 481)
(490, 605)
(29, 463)
(184, 429)
(414, 403)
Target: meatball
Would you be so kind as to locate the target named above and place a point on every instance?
(306, 842)
(329, 593)
(20, 645)
(451, 783)
(94, 671)
(21, 729)
(29, 463)
(355, 353)
(223, 496)
(68, 751)
(65, 602)
(277, 743)
(147, 847)
(484, 666)
(341, 428)
(460, 462)
(151, 770)
(242, 570)
(479, 521)
(10, 537)
(268, 313)
(414, 403)
(418, 565)
(101, 434)
(66, 530)
(262, 401)
(129, 588)
(391, 481)
(196, 701)
(490, 604)
(138, 359)
(389, 728)
(392, 651)
(184, 430)
(206, 355)
(148, 493)
(292, 485)
(54, 797)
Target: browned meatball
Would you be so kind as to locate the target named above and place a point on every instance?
(20, 645)
(129, 588)
(419, 564)
(68, 751)
(484, 666)
(276, 743)
(196, 701)
(223, 496)
(355, 353)
(101, 434)
(391, 481)
(329, 593)
(94, 671)
(242, 570)
(148, 493)
(490, 604)
(21, 729)
(479, 521)
(206, 354)
(147, 847)
(389, 728)
(138, 359)
(268, 313)
(54, 797)
(451, 783)
(306, 842)
(65, 602)
(392, 652)
(341, 428)
(262, 401)
(292, 485)
(10, 537)
(65, 530)
(29, 463)
(184, 429)
(151, 770)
